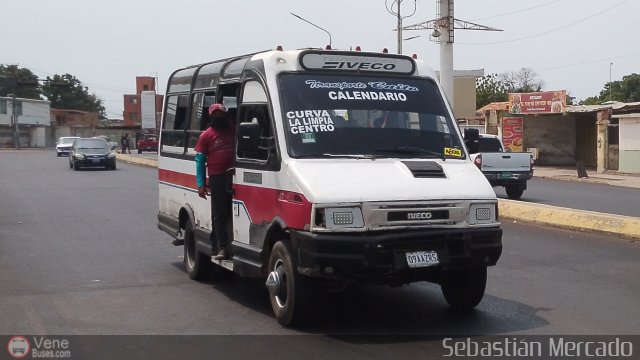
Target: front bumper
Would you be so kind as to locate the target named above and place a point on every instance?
(381, 258)
(98, 162)
(508, 178)
(63, 151)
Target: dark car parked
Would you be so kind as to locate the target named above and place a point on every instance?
(92, 152)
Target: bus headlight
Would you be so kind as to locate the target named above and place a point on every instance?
(482, 214)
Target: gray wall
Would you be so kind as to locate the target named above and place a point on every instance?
(554, 136)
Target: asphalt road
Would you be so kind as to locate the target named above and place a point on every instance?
(580, 195)
(80, 253)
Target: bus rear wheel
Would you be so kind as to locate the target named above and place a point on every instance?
(198, 266)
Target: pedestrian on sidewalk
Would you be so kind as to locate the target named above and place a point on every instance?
(127, 143)
(123, 144)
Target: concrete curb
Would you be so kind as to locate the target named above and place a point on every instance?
(137, 160)
(571, 219)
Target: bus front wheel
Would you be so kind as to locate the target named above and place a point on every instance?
(290, 293)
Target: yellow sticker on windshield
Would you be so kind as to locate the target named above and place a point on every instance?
(452, 152)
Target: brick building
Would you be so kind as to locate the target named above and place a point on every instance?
(132, 113)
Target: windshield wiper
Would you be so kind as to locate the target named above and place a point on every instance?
(413, 150)
(349, 156)
(327, 155)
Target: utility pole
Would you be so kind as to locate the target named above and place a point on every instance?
(14, 119)
(399, 28)
(610, 83)
(442, 29)
(399, 18)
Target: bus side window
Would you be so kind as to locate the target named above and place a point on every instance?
(259, 114)
(199, 119)
(173, 135)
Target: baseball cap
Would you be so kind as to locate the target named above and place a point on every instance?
(215, 107)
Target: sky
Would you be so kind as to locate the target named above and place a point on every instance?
(573, 45)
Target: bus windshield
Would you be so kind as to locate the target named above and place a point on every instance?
(363, 115)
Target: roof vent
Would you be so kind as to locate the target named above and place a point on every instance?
(425, 169)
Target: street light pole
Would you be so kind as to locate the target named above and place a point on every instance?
(309, 22)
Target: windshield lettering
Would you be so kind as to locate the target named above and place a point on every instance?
(366, 95)
(314, 84)
(309, 121)
(384, 86)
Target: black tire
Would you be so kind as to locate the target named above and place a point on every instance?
(57, 153)
(113, 167)
(70, 165)
(139, 151)
(292, 297)
(74, 166)
(514, 192)
(464, 289)
(198, 266)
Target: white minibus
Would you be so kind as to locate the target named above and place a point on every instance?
(349, 168)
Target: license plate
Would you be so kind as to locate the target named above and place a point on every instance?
(505, 175)
(422, 258)
(95, 160)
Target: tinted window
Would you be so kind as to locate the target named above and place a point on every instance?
(92, 144)
(490, 145)
(66, 140)
(366, 115)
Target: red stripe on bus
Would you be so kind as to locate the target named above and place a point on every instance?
(264, 204)
(177, 178)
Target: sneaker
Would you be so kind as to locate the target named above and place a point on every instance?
(223, 254)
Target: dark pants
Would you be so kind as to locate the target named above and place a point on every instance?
(220, 210)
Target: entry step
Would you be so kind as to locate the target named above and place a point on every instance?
(227, 264)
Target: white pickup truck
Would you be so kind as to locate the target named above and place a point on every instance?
(508, 169)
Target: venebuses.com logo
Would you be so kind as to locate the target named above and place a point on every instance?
(39, 347)
(18, 347)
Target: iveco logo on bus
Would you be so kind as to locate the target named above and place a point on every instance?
(419, 216)
(357, 65)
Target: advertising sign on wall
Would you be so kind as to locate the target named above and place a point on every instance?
(512, 134)
(148, 109)
(547, 102)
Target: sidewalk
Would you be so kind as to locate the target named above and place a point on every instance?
(571, 174)
(545, 215)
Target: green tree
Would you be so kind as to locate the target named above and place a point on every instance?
(522, 81)
(67, 92)
(490, 89)
(626, 90)
(19, 81)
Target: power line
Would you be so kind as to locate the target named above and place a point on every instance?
(589, 62)
(516, 11)
(552, 30)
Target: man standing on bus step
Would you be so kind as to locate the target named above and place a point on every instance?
(215, 148)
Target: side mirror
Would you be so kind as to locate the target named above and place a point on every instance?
(248, 137)
(472, 140)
